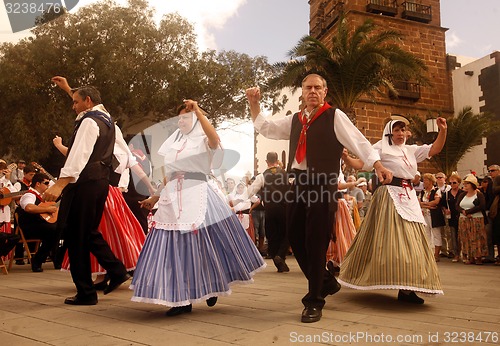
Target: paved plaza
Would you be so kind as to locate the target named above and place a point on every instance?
(264, 313)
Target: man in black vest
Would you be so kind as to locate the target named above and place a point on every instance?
(34, 226)
(317, 134)
(273, 184)
(84, 184)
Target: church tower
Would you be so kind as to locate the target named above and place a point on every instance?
(420, 23)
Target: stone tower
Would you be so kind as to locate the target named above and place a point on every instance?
(420, 23)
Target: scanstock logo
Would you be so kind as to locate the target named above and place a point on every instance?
(26, 14)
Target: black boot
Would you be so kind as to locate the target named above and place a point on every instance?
(212, 301)
(409, 297)
(177, 310)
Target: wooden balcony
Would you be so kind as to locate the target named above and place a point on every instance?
(417, 12)
(385, 7)
(406, 90)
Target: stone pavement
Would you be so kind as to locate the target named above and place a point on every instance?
(265, 313)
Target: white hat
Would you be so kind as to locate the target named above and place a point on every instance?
(363, 183)
(470, 178)
(418, 173)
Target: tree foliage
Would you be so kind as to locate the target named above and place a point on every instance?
(465, 130)
(143, 71)
(361, 61)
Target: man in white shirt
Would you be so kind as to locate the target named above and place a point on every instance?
(84, 184)
(6, 189)
(18, 173)
(317, 137)
(34, 226)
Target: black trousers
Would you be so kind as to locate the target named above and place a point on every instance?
(85, 205)
(47, 233)
(310, 218)
(141, 214)
(277, 240)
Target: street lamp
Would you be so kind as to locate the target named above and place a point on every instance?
(432, 126)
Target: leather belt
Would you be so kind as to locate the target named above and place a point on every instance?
(401, 182)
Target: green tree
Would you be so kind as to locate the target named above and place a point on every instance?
(465, 130)
(361, 62)
(142, 70)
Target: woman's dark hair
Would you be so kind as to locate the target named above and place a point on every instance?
(400, 124)
(180, 108)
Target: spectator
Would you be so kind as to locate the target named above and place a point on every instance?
(452, 214)
(18, 173)
(434, 219)
(472, 233)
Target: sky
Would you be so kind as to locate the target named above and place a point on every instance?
(272, 27)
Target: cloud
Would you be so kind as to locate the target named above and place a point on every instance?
(452, 40)
(203, 14)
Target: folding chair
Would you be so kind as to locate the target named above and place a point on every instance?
(3, 266)
(28, 254)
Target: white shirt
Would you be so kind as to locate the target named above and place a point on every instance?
(82, 148)
(468, 203)
(404, 167)
(347, 134)
(5, 210)
(28, 198)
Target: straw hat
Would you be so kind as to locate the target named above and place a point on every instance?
(471, 179)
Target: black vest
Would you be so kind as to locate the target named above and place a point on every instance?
(28, 219)
(99, 164)
(323, 150)
(437, 216)
(275, 187)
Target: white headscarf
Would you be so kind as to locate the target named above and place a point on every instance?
(177, 139)
(388, 146)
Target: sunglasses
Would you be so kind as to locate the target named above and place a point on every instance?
(453, 182)
(46, 182)
(492, 170)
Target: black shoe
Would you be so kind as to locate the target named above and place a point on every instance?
(101, 286)
(410, 297)
(20, 262)
(115, 283)
(310, 315)
(177, 310)
(36, 268)
(79, 301)
(212, 301)
(332, 268)
(280, 264)
(330, 287)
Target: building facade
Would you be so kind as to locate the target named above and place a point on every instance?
(420, 23)
(476, 83)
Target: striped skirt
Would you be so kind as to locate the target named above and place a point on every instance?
(472, 236)
(344, 231)
(121, 230)
(389, 252)
(177, 269)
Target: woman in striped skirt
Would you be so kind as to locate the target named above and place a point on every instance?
(390, 250)
(197, 247)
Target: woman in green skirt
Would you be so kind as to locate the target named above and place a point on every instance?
(390, 250)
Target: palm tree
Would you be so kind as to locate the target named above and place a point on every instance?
(465, 130)
(360, 62)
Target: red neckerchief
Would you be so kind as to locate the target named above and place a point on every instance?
(300, 154)
(37, 195)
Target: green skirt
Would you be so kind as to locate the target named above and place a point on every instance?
(389, 252)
